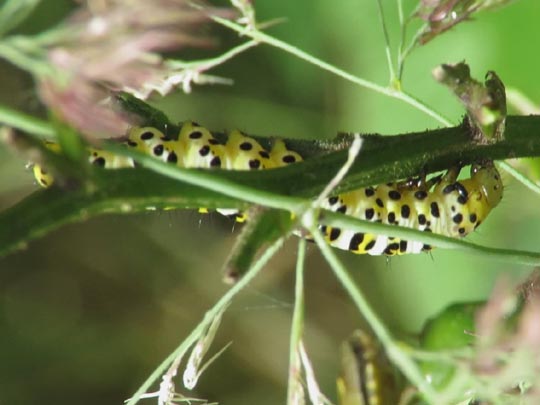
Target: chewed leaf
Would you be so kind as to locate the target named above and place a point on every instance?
(485, 103)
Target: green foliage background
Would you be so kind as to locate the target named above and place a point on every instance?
(88, 311)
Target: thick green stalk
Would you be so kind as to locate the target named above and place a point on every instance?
(381, 159)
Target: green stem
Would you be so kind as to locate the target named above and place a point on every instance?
(390, 92)
(404, 53)
(26, 123)
(393, 350)
(531, 185)
(13, 12)
(403, 34)
(205, 179)
(206, 64)
(387, 43)
(12, 54)
(223, 302)
(297, 326)
(51, 37)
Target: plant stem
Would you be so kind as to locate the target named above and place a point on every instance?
(387, 43)
(531, 185)
(206, 64)
(25, 122)
(204, 179)
(12, 54)
(393, 350)
(297, 326)
(223, 302)
(391, 92)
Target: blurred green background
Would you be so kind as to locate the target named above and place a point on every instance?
(88, 311)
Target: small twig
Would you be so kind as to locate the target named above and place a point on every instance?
(388, 53)
(294, 388)
(223, 302)
(387, 91)
(519, 176)
(354, 149)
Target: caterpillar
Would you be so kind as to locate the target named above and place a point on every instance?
(366, 376)
(196, 147)
(443, 205)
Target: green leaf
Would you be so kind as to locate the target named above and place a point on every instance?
(143, 113)
(453, 328)
(263, 227)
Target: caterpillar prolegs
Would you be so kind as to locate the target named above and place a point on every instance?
(441, 205)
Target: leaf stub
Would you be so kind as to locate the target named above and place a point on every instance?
(485, 103)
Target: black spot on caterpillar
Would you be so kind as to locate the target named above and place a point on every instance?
(442, 205)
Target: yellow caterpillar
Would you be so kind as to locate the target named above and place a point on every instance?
(366, 374)
(443, 205)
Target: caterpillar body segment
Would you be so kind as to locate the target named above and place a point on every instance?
(42, 175)
(444, 206)
(108, 160)
(441, 205)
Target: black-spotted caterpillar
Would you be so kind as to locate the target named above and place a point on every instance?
(367, 377)
(441, 205)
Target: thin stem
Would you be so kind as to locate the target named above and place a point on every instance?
(26, 123)
(390, 92)
(531, 185)
(393, 350)
(297, 326)
(206, 64)
(53, 36)
(205, 179)
(13, 12)
(223, 302)
(411, 46)
(403, 35)
(354, 149)
(262, 37)
(13, 55)
(421, 106)
(387, 44)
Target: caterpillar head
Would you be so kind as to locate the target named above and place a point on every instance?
(489, 181)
